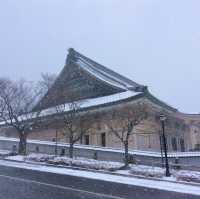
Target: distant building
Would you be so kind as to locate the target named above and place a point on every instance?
(103, 90)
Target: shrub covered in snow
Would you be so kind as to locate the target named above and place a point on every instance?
(147, 171)
(184, 175)
(16, 157)
(86, 163)
(78, 162)
(188, 176)
(39, 157)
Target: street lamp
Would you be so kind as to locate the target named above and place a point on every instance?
(162, 119)
(56, 147)
(161, 149)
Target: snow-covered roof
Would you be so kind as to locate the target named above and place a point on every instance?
(93, 102)
(103, 73)
(82, 104)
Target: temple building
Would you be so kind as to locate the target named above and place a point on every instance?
(101, 90)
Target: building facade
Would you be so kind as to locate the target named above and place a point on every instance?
(101, 91)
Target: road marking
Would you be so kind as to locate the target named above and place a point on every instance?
(60, 187)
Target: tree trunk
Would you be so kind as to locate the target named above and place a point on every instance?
(22, 143)
(126, 155)
(71, 150)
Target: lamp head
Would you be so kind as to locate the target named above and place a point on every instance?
(162, 117)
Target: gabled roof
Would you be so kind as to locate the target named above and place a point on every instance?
(86, 80)
(103, 73)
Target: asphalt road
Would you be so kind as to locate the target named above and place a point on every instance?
(18, 183)
(16, 188)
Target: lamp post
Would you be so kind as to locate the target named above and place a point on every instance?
(56, 147)
(161, 149)
(162, 119)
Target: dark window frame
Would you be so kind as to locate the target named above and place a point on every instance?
(86, 139)
(174, 144)
(182, 144)
(103, 139)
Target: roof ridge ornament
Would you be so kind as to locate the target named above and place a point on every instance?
(71, 56)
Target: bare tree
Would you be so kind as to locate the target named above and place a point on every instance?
(46, 82)
(74, 122)
(16, 102)
(122, 124)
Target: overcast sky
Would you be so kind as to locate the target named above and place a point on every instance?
(153, 42)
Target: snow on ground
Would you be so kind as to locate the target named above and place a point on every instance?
(4, 152)
(161, 185)
(139, 170)
(16, 157)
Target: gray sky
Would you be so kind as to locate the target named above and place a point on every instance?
(153, 42)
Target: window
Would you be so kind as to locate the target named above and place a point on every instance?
(14, 148)
(197, 147)
(103, 139)
(87, 140)
(182, 144)
(174, 144)
(37, 149)
(62, 153)
(177, 125)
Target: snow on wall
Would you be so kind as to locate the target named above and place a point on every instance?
(108, 149)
